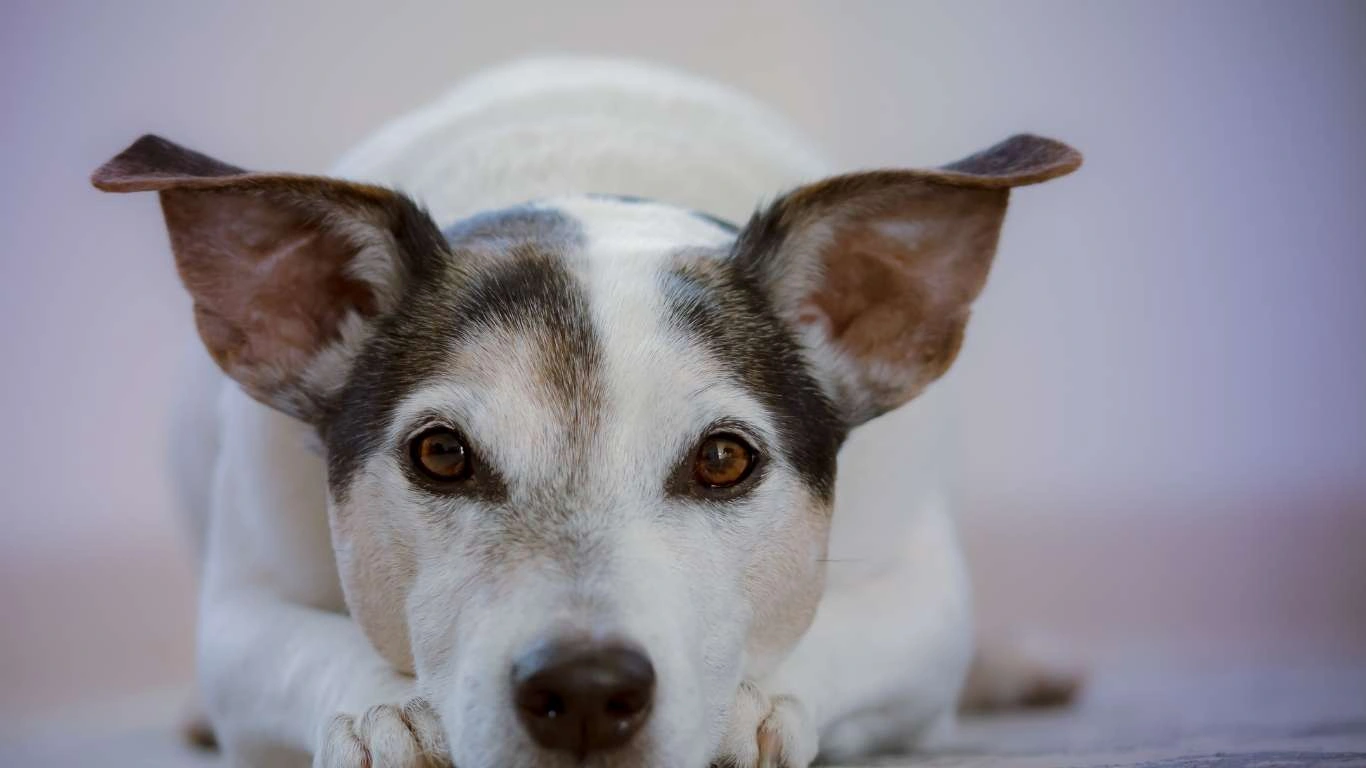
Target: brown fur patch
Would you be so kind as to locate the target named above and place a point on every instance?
(887, 263)
(904, 303)
(270, 286)
(727, 313)
(268, 258)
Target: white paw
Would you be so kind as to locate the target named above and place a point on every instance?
(767, 732)
(385, 736)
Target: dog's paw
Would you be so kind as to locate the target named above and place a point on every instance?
(767, 732)
(385, 736)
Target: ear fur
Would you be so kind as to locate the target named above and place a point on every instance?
(877, 271)
(286, 270)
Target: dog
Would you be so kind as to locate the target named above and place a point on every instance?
(511, 449)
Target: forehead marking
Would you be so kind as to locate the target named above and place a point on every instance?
(724, 312)
(656, 268)
(507, 271)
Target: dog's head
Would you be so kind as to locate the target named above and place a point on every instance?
(581, 452)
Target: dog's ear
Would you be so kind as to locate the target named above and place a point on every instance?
(877, 271)
(286, 271)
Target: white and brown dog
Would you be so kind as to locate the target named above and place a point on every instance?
(540, 470)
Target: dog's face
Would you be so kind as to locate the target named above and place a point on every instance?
(582, 427)
(581, 453)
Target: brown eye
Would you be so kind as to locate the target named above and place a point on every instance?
(723, 460)
(441, 455)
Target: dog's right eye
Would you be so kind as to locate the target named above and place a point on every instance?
(441, 455)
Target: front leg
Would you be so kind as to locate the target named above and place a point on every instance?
(285, 673)
(882, 663)
(285, 679)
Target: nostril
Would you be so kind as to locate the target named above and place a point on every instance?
(626, 704)
(544, 704)
(582, 696)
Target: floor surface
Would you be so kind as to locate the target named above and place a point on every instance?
(1150, 716)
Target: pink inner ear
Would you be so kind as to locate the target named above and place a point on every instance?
(270, 285)
(876, 307)
(898, 284)
(869, 294)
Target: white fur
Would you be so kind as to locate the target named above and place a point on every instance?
(279, 660)
(560, 127)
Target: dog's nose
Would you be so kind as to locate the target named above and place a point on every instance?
(583, 697)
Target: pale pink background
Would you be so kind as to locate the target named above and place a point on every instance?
(1164, 393)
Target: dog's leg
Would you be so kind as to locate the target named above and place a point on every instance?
(1008, 673)
(885, 658)
(276, 673)
(280, 664)
(285, 680)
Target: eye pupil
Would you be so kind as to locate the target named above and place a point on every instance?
(441, 454)
(723, 461)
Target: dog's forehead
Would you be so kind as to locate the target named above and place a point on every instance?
(592, 226)
(615, 223)
(587, 357)
(574, 326)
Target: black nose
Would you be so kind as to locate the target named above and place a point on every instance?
(583, 696)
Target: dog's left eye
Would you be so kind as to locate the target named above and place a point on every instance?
(723, 460)
(441, 455)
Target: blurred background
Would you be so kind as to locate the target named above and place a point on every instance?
(1163, 397)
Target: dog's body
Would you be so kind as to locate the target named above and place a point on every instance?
(575, 347)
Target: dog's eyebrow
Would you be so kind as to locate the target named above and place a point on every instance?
(726, 387)
(426, 419)
(699, 391)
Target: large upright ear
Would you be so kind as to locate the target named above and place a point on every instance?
(877, 271)
(286, 271)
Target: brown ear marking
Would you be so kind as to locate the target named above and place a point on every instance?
(155, 164)
(881, 267)
(152, 164)
(1019, 160)
(276, 263)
